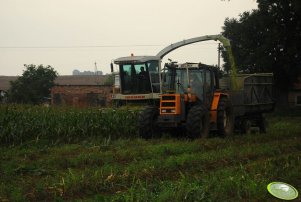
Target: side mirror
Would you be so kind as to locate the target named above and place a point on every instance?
(112, 68)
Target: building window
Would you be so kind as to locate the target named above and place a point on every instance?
(298, 100)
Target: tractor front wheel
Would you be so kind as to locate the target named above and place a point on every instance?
(147, 122)
(198, 122)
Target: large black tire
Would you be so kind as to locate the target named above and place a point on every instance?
(197, 124)
(117, 103)
(147, 122)
(246, 126)
(225, 117)
(262, 124)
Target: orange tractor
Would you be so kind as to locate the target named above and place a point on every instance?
(192, 100)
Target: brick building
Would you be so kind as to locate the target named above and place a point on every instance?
(78, 91)
(294, 95)
(5, 85)
(5, 82)
(81, 95)
(81, 91)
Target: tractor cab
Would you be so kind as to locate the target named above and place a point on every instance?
(195, 81)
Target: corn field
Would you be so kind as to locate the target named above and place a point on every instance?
(21, 123)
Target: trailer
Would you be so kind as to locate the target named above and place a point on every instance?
(253, 98)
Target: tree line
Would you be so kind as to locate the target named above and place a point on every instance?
(268, 39)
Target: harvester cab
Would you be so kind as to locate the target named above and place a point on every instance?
(138, 80)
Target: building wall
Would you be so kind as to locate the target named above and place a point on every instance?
(294, 95)
(81, 95)
(294, 98)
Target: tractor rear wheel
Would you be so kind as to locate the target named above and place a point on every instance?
(197, 124)
(147, 122)
(225, 117)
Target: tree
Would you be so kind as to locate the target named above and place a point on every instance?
(109, 80)
(268, 39)
(33, 86)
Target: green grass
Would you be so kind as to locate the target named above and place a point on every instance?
(167, 169)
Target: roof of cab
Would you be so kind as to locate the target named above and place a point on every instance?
(135, 59)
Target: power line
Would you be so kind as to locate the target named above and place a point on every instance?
(58, 47)
(87, 46)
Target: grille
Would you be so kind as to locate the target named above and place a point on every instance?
(168, 97)
(168, 104)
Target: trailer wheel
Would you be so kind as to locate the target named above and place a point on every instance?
(262, 124)
(246, 127)
(147, 122)
(197, 124)
(225, 117)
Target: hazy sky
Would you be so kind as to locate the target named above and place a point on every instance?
(74, 34)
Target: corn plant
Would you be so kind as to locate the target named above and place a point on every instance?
(23, 123)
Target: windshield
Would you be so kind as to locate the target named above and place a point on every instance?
(178, 81)
(139, 78)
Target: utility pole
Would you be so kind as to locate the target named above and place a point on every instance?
(96, 73)
(95, 68)
(219, 55)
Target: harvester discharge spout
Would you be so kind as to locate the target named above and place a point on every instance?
(221, 38)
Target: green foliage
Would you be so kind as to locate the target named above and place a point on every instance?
(110, 80)
(21, 123)
(33, 86)
(268, 40)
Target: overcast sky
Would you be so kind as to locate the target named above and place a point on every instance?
(74, 34)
